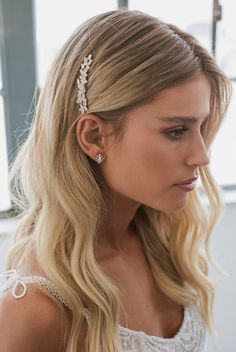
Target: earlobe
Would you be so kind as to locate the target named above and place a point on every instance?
(89, 133)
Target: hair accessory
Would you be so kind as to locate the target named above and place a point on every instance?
(99, 158)
(81, 82)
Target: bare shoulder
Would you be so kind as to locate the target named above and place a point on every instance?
(32, 323)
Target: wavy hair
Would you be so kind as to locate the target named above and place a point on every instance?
(58, 191)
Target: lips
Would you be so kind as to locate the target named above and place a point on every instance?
(186, 182)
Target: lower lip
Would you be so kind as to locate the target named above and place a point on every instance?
(188, 187)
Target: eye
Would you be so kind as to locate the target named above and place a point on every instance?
(177, 133)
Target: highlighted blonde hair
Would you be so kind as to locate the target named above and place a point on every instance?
(57, 188)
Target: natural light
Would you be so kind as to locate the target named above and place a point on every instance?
(53, 28)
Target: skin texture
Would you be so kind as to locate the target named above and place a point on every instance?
(140, 168)
(31, 324)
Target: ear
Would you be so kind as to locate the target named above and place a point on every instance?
(91, 133)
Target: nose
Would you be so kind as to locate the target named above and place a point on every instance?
(197, 155)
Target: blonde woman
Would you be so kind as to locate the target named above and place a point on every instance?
(112, 249)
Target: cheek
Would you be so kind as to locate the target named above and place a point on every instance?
(152, 155)
(139, 167)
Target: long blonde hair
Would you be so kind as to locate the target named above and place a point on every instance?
(57, 188)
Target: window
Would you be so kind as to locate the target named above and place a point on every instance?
(224, 148)
(56, 20)
(5, 203)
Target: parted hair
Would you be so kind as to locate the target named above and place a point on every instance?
(58, 190)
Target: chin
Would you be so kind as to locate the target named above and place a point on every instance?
(173, 207)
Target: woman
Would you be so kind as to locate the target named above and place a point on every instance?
(112, 248)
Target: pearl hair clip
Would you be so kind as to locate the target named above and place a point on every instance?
(81, 82)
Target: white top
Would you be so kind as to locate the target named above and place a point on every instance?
(191, 336)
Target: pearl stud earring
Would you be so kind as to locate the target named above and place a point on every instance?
(99, 158)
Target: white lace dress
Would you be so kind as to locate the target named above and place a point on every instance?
(190, 337)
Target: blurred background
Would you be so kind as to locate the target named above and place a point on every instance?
(31, 33)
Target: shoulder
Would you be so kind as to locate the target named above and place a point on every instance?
(31, 323)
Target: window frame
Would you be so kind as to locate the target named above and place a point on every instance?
(18, 64)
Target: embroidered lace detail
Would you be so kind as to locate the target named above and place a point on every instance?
(15, 280)
(191, 336)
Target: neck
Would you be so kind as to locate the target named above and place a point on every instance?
(116, 229)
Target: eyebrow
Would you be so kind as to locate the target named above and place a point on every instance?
(191, 120)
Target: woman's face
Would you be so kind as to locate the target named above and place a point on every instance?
(161, 147)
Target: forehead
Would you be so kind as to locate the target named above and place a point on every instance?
(190, 98)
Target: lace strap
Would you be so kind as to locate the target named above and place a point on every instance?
(15, 280)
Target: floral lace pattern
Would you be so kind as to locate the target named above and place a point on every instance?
(191, 336)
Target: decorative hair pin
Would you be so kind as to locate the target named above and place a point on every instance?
(81, 82)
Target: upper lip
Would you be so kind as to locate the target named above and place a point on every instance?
(187, 181)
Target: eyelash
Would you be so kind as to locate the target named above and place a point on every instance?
(182, 130)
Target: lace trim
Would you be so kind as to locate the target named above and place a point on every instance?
(191, 336)
(186, 318)
(15, 280)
